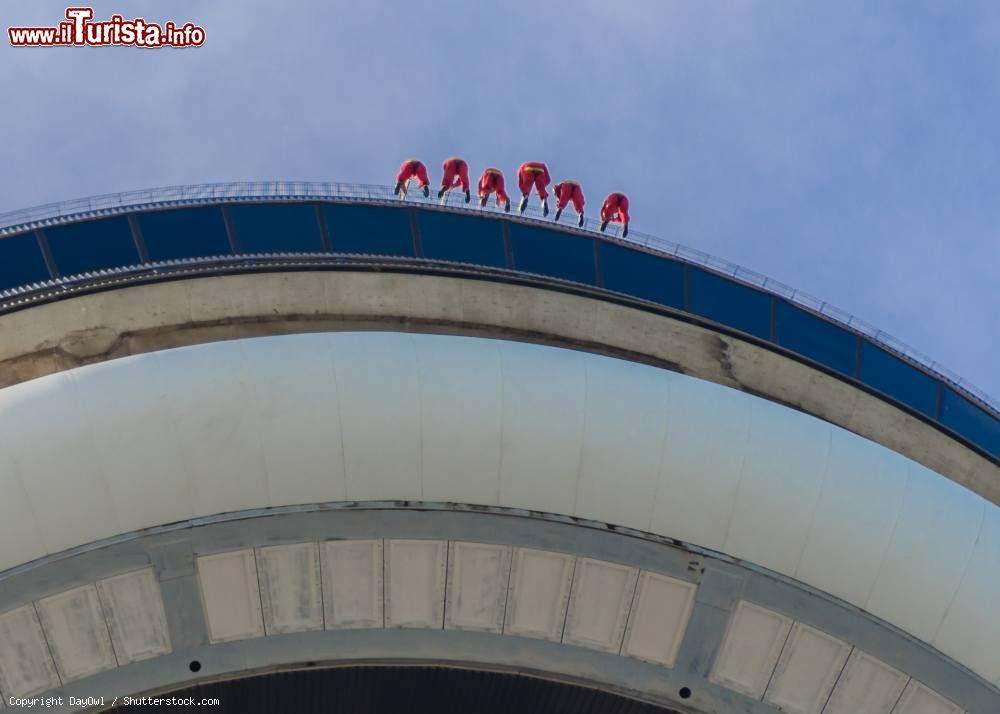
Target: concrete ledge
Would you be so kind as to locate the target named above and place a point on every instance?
(146, 318)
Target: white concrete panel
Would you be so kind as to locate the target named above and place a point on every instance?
(20, 537)
(230, 595)
(380, 414)
(750, 648)
(52, 448)
(135, 442)
(460, 403)
(415, 572)
(77, 633)
(965, 633)
(133, 608)
(209, 398)
(698, 480)
(540, 582)
(937, 528)
(626, 424)
(810, 664)
(352, 583)
(599, 604)
(659, 618)
(290, 593)
(26, 666)
(779, 489)
(478, 576)
(543, 395)
(867, 686)
(857, 511)
(919, 699)
(295, 400)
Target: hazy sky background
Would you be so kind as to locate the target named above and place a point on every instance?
(846, 148)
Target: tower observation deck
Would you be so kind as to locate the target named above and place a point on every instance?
(290, 436)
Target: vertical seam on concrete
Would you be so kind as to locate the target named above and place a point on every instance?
(107, 626)
(322, 590)
(899, 696)
(506, 590)
(48, 645)
(819, 499)
(168, 414)
(888, 546)
(340, 418)
(88, 432)
(503, 417)
(259, 435)
(628, 612)
(663, 451)
(448, 555)
(784, 644)
(260, 595)
(961, 579)
(843, 667)
(385, 569)
(15, 468)
(569, 598)
(583, 436)
(739, 483)
(420, 409)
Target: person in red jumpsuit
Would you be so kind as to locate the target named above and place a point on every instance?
(569, 191)
(412, 169)
(456, 173)
(615, 208)
(492, 181)
(533, 173)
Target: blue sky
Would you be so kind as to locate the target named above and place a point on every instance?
(846, 148)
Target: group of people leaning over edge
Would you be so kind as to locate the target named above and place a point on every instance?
(532, 174)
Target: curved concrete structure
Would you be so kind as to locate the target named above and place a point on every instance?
(213, 476)
(133, 320)
(184, 434)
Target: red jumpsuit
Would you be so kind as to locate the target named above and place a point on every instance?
(534, 173)
(490, 181)
(569, 191)
(410, 169)
(615, 208)
(456, 173)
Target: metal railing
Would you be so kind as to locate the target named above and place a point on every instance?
(113, 203)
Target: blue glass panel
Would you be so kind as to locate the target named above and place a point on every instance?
(894, 377)
(815, 338)
(446, 236)
(970, 421)
(185, 233)
(547, 252)
(276, 228)
(21, 261)
(369, 229)
(82, 247)
(730, 303)
(643, 275)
